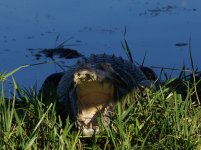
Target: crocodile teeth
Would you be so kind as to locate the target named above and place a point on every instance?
(90, 126)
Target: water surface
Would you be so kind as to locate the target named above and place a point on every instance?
(159, 29)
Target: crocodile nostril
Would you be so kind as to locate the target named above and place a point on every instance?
(87, 76)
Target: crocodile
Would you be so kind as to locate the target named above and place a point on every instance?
(89, 89)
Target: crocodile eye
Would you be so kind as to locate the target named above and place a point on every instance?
(106, 66)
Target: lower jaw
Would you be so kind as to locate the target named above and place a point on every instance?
(93, 126)
(88, 132)
(94, 100)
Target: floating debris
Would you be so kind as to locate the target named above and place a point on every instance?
(162, 9)
(37, 56)
(66, 53)
(181, 44)
(169, 9)
(60, 52)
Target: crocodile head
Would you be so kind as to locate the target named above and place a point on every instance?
(95, 97)
(88, 91)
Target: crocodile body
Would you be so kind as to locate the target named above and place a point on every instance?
(91, 87)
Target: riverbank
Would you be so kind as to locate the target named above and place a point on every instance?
(163, 119)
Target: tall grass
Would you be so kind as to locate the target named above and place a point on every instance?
(159, 120)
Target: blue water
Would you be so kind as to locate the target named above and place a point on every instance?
(92, 26)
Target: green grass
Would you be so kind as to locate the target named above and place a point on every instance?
(159, 120)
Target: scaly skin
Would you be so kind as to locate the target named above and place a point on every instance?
(106, 73)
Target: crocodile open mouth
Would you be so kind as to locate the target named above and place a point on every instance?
(94, 102)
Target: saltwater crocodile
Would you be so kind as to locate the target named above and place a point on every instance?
(90, 88)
